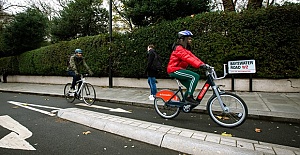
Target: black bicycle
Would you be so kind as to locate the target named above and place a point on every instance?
(83, 91)
(226, 109)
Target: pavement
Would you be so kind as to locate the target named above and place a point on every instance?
(262, 105)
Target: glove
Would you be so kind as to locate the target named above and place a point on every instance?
(77, 74)
(91, 73)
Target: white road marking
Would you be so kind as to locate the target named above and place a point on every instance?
(30, 106)
(106, 108)
(15, 139)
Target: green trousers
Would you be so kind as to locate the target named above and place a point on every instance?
(187, 78)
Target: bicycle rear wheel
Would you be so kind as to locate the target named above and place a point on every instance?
(69, 96)
(164, 110)
(235, 113)
(88, 94)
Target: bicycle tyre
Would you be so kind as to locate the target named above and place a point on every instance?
(164, 110)
(88, 94)
(236, 114)
(70, 97)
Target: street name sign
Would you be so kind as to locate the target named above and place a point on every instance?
(241, 66)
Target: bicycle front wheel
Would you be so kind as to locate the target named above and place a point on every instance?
(88, 94)
(69, 96)
(234, 114)
(164, 110)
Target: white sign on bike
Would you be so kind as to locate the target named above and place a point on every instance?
(241, 66)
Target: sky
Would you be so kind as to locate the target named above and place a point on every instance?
(24, 2)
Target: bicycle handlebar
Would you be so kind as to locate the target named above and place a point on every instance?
(84, 75)
(211, 71)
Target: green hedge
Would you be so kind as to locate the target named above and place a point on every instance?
(271, 36)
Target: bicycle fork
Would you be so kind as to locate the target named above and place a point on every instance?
(216, 91)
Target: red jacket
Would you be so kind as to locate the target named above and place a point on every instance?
(181, 58)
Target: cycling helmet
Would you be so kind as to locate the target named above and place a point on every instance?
(185, 33)
(78, 51)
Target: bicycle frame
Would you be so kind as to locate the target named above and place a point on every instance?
(82, 81)
(210, 83)
(211, 76)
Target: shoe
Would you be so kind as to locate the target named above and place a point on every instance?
(192, 101)
(72, 90)
(151, 97)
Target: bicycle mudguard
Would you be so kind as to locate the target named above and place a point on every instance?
(166, 95)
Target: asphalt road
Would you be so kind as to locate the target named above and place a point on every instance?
(52, 135)
(281, 133)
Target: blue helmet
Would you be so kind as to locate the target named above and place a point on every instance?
(185, 33)
(78, 51)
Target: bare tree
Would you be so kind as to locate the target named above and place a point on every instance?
(5, 6)
(238, 5)
(122, 23)
(49, 8)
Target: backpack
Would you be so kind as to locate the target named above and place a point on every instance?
(157, 65)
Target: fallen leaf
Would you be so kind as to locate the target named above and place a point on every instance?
(257, 130)
(15, 107)
(226, 118)
(87, 132)
(226, 134)
(223, 117)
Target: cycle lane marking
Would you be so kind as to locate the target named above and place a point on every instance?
(106, 108)
(56, 109)
(31, 107)
(15, 139)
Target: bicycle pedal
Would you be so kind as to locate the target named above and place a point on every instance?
(187, 108)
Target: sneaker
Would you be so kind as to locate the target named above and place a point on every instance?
(151, 97)
(192, 101)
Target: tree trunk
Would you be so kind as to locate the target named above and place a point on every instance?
(228, 5)
(254, 4)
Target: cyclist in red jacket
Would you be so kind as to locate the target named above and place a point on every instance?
(180, 59)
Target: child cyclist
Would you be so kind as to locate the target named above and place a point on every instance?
(180, 59)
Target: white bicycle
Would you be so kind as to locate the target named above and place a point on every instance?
(84, 91)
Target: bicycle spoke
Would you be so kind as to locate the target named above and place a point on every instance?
(69, 96)
(165, 110)
(89, 94)
(235, 111)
